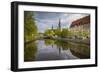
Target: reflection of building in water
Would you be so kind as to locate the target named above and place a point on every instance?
(81, 51)
(81, 25)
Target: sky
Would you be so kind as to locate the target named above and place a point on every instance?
(45, 20)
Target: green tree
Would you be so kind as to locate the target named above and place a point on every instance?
(85, 34)
(30, 28)
(49, 32)
(57, 32)
(65, 33)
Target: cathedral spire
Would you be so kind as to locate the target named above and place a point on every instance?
(59, 24)
(52, 27)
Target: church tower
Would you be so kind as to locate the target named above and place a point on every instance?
(52, 27)
(59, 25)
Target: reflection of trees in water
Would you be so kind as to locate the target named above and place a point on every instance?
(63, 45)
(80, 50)
(30, 51)
(77, 49)
(49, 42)
(59, 44)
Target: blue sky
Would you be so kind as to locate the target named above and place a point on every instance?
(45, 20)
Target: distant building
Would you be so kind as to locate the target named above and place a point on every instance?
(52, 27)
(59, 25)
(81, 25)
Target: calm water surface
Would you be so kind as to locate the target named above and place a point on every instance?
(44, 50)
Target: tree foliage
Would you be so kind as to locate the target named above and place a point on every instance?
(57, 32)
(30, 27)
(64, 33)
(49, 32)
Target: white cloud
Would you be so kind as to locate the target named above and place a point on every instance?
(45, 20)
(74, 17)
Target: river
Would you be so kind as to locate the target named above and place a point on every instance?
(44, 50)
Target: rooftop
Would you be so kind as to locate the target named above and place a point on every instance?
(81, 21)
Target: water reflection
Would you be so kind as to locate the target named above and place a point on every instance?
(30, 51)
(43, 50)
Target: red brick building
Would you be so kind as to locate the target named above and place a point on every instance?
(82, 21)
(81, 25)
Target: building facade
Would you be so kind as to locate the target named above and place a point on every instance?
(81, 27)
